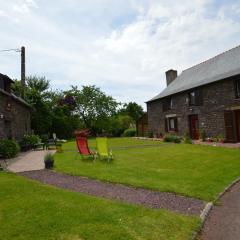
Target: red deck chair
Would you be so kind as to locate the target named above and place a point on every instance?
(83, 149)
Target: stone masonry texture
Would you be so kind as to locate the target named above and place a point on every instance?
(217, 97)
(14, 121)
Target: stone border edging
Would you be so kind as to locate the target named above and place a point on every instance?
(208, 207)
(206, 211)
(203, 216)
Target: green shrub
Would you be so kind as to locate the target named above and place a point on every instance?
(48, 157)
(203, 135)
(9, 148)
(172, 138)
(220, 138)
(30, 140)
(131, 132)
(44, 138)
(150, 134)
(187, 139)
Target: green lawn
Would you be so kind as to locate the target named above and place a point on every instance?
(29, 210)
(192, 170)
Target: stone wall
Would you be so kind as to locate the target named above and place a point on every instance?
(217, 97)
(15, 120)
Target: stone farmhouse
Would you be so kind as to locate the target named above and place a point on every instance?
(204, 98)
(14, 112)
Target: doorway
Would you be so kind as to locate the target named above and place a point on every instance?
(237, 114)
(194, 127)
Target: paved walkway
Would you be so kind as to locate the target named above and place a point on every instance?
(223, 222)
(28, 161)
(148, 198)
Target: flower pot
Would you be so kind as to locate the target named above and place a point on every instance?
(48, 164)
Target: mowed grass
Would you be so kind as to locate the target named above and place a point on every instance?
(29, 210)
(193, 170)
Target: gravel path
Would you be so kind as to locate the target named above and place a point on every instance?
(223, 222)
(119, 192)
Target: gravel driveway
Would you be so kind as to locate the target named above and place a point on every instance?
(148, 198)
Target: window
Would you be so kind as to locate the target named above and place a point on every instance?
(237, 88)
(195, 98)
(171, 124)
(167, 104)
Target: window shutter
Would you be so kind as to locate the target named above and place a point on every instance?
(237, 88)
(176, 124)
(229, 126)
(166, 125)
(199, 97)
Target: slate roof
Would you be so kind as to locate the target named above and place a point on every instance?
(2, 76)
(19, 99)
(15, 98)
(222, 66)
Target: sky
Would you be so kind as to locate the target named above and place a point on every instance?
(122, 46)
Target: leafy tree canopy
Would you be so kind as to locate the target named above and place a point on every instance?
(133, 110)
(92, 105)
(63, 112)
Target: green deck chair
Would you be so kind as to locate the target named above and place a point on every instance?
(102, 148)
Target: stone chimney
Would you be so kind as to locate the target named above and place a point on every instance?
(171, 75)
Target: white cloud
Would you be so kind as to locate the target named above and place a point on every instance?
(123, 46)
(24, 6)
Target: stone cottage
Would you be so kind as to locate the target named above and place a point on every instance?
(14, 112)
(203, 98)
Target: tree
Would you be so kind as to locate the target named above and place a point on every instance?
(118, 124)
(133, 110)
(38, 95)
(93, 106)
(63, 112)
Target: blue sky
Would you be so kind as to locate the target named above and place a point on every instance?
(122, 46)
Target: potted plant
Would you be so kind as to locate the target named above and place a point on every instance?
(49, 161)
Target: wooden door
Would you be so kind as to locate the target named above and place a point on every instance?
(194, 126)
(229, 126)
(237, 114)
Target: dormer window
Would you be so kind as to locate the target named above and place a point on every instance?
(237, 88)
(195, 98)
